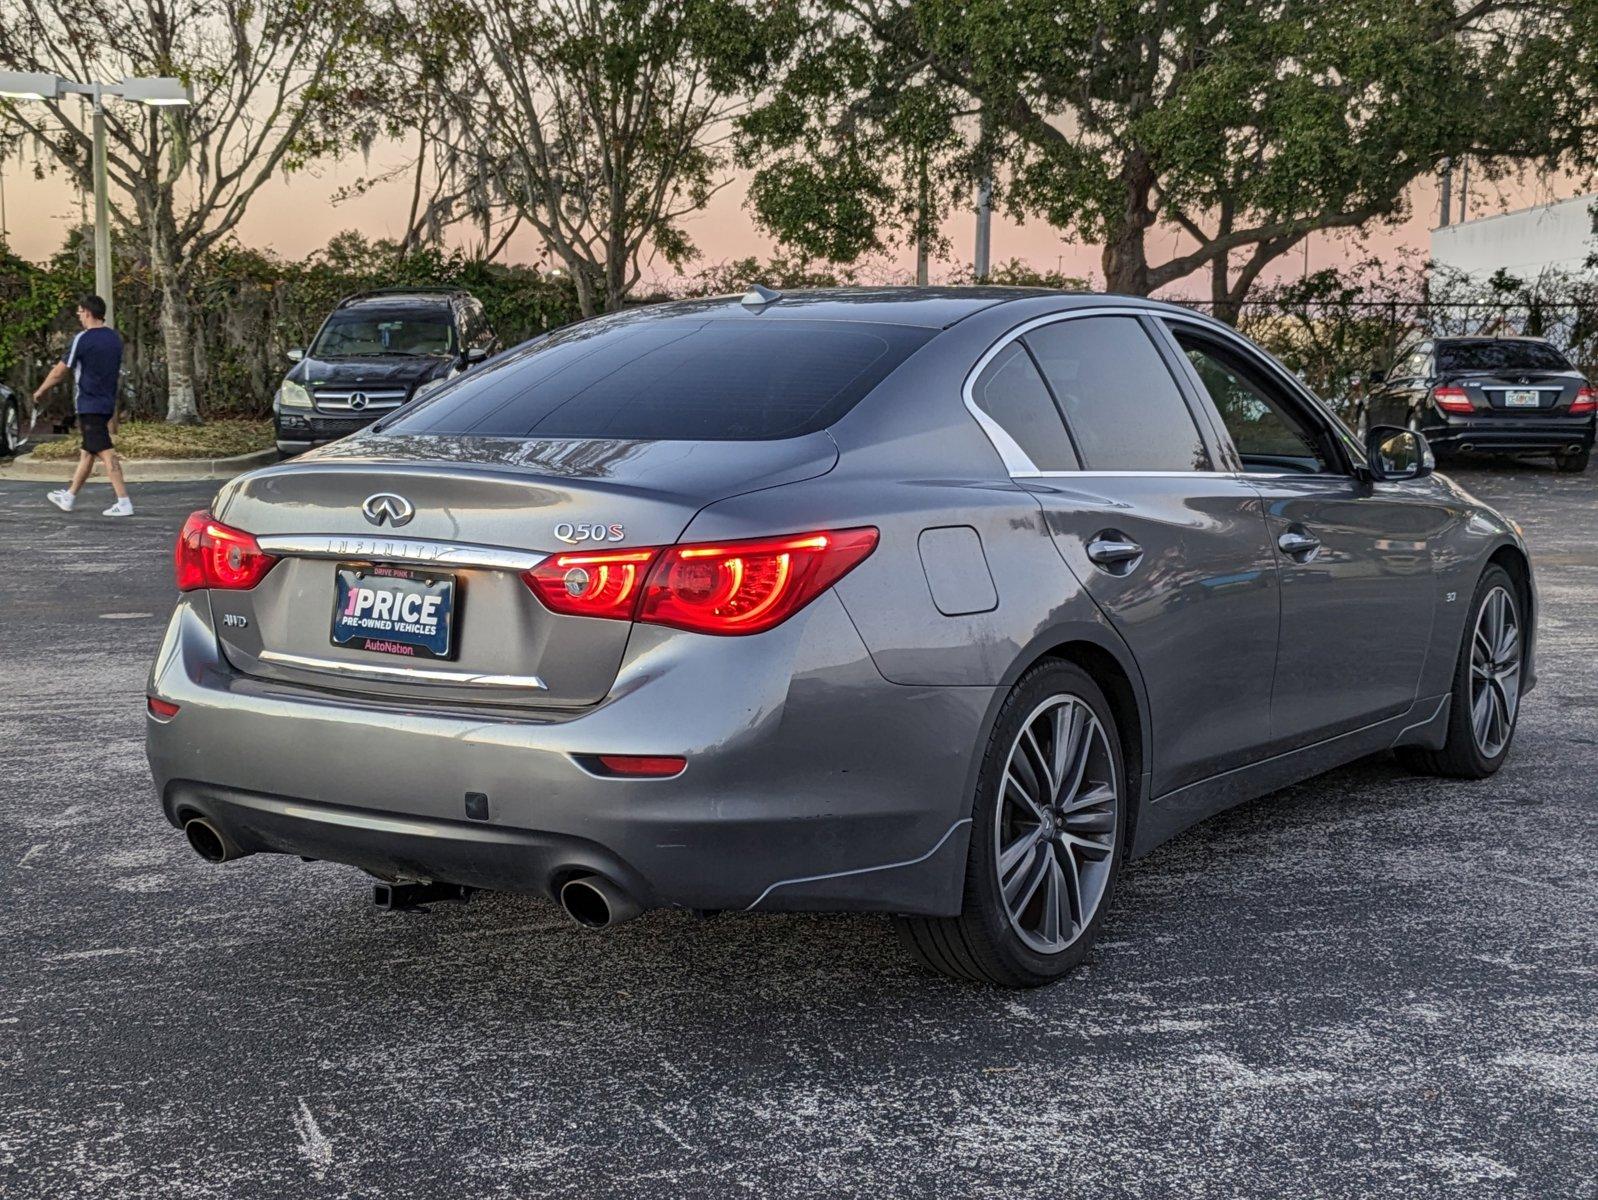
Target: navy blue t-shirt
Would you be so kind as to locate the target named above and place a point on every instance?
(95, 357)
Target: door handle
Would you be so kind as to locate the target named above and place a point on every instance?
(1300, 544)
(1114, 550)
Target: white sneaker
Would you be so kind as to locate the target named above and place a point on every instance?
(62, 499)
(122, 508)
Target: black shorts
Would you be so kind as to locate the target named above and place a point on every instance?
(96, 434)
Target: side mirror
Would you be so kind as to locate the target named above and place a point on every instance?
(1393, 453)
(296, 354)
(475, 354)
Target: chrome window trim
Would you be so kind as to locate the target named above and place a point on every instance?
(378, 673)
(406, 550)
(1018, 462)
(1123, 474)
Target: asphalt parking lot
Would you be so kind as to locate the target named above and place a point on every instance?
(1366, 985)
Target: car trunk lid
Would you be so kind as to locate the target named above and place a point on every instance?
(475, 514)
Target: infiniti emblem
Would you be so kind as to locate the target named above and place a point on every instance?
(386, 506)
(357, 400)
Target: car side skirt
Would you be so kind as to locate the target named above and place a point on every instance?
(1423, 724)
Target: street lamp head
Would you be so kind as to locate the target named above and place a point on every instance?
(30, 85)
(161, 92)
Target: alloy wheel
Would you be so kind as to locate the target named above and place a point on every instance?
(1057, 820)
(13, 437)
(1495, 673)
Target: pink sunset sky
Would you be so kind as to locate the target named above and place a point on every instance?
(297, 215)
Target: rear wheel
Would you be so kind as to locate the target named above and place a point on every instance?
(1574, 463)
(1046, 839)
(1485, 700)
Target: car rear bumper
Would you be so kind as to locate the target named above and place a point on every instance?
(1508, 435)
(812, 782)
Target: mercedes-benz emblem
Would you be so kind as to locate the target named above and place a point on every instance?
(386, 506)
(357, 400)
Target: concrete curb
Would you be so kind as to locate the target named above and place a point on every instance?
(148, 470)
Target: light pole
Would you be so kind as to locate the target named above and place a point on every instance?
(159, 92)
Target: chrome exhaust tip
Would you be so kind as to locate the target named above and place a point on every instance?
(594, 902)
(209, 842)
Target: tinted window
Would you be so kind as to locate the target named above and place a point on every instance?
(1120, 402)
(1260, 422)
(1011, 392)
(646, 376)
(1491, 354)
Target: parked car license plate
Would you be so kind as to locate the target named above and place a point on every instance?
(394, 610)
(1522, 399)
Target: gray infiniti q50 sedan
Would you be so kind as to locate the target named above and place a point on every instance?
(937, 603)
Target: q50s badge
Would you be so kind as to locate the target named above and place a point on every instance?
(583, 531)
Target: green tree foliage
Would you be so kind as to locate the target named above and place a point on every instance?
(598, 123)
(276, 84)
(1245, 124)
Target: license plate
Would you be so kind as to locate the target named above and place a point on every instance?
(394, 610)
(1526, 399)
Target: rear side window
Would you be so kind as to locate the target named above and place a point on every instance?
(1011, 391)
(1491, 354)
(1120, 401)
(672, 378)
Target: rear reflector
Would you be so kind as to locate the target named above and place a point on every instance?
(725, 588)
(1586, 400)
(162, 710)
(642, 766)
(211, 555)
(1452, 399)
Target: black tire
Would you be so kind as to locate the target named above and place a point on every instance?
(1573, 463)
(10, 426)
(1461, 756)
(981, 945)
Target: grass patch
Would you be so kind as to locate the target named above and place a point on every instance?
(157, 439)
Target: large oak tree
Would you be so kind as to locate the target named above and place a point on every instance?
(1245, 124)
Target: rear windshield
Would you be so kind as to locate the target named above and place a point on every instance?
(1495, 355)
(671, 378)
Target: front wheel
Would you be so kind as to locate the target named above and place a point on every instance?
(1485, 701)
(1048, 823)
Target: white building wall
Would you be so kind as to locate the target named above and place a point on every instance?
(1526, 243)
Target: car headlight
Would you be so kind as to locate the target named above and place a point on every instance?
(292, 395)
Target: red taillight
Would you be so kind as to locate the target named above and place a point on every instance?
(162, 710)
(598, 583)
(643, 766)
(1452, 399)
(211, 555)
(723, 587)
(748, 586)
(1586, 400)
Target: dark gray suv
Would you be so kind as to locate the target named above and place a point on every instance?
(375, 351)
(937, 603)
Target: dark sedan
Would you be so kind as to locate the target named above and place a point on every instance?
(1503, 395)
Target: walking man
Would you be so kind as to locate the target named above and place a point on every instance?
(95, 360)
